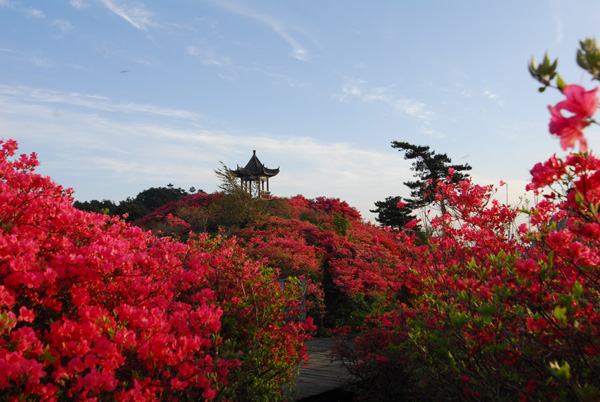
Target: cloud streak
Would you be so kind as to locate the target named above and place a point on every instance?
(78, 4)
(32, 12)
(63, 26)
(30, 58)
(299, 52)
(493, 97)
(358, 89)
(94, 102)
(209, 58)
(134, 13)
(92, 149)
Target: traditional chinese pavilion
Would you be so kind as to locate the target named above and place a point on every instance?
(255, 176)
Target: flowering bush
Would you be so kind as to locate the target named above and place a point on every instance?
(259, 326)
(348, 263)
(192, 213)
(351, 263)
(499, 313)
(93, 308)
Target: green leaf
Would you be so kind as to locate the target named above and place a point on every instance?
(563, 372)
(488, 309)
(581, 59)
(560, 313)
(577, 290)
(533, 68)
(546, 64)
(47, 356)
(560, 83)
(542, 89)
(458, 320)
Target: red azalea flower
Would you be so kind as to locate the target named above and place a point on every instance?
(583, 105)
(569, 129)
(579, 101)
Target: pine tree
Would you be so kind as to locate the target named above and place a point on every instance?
(429, 169)
(390, 214)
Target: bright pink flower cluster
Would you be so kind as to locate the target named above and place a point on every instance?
(583, 105)
(486, 295)
(360, 258)
(93, 308)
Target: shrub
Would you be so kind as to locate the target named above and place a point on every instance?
(91, 307)
(497, 313)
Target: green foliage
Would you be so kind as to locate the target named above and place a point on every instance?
(136, 208)
(588, 57)
(155, 197)
(257, 328)
(545, 72)
(105, 207)
(132, 209)
(352, 310)
(390, 215)
(340, 224)
(236, 209)
(429, 169)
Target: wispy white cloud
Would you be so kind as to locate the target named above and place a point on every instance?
(108, 49)
(493, 97)
(432, 133)
(358, 89)
(209, 57)
(299, 52)
(41, 62)
(134, 13)
(101, 155)
(278, 79)
(32, 12)
(31, 58)
(79, 4)
(560, 27)
(142, 60)
(414, 108)
(490, 95)
(63, 26)
(94, 102)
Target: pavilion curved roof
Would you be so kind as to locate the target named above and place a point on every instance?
(254, 168)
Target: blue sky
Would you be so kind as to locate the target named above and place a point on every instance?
(116, 96)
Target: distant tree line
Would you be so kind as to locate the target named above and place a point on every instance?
(139, 206)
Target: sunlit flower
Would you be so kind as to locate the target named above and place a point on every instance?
(583, 105)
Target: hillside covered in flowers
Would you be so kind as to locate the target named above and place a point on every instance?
(213, 296)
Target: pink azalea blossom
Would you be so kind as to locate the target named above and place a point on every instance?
(569, 129)
(579, 101)
(583, 105)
